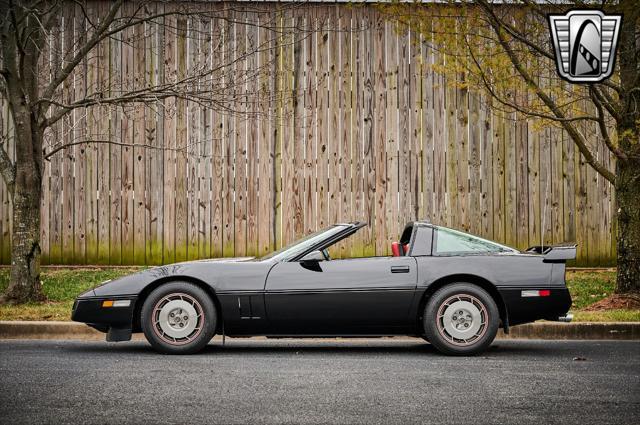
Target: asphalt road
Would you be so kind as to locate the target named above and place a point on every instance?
(315, 381)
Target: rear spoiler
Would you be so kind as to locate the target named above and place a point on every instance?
(555, 253)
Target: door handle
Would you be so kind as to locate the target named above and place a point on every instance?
(399, 269)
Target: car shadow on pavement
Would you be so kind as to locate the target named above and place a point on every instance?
(302, 346)
(261, 347)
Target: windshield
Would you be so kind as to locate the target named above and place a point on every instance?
(301, 245)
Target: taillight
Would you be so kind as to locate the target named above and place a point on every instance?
(536, 293)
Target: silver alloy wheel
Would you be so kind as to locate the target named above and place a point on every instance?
(178, 318)
(462, 319)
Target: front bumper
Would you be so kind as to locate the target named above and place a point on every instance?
(89, 310)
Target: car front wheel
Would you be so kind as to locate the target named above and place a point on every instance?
(461, 319)
(178, 318)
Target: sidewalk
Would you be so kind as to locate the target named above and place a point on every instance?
(540, 330)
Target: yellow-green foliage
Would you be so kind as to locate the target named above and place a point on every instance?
(467, 50)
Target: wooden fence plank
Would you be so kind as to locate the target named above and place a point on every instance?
(139, 152)
(194, 153)
(404, 114)
(91, 219)
(427, 129)
(289, 116)
(498, 151)
(57, 161)
(462, 157)
(67, 134)
(228, 215)
(298, 131)
(127, 131)
(545, 189)
(522, 191)
(379, 134)
(116, 78)
(169, 143)
(593, 195)
(487, 140)
(345, 162)
(265, 155)
(217, 150)
(391, 138)
(103, 204)
(240, 126)
(323, 120)
(415, 109)
(581, 208)
(369, 132)
(474, 189)
(154, 136)
(356, 128)
(568, 182)
(557, 204)
(309, 99)
(534, 184)
(252, 137)
(511, 184)
(181, 194)
(440, 114)
(333, 141)
(452, 155)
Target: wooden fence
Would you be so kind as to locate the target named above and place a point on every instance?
(362, 129)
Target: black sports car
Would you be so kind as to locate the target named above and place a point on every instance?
(449, 287)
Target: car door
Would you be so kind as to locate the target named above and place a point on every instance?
(341, 297)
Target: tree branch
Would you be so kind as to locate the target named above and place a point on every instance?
(513, 32)
(7, 169)
(573, 132)
(59, 148)
(487, 84)
(603, 127)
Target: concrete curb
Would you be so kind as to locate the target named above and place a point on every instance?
(578, 330)
(541, 330)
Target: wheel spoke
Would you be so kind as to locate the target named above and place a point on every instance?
(461, 319)
(178, 318)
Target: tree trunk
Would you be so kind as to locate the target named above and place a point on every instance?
(25, 282)
(628, 172)
(628, 197)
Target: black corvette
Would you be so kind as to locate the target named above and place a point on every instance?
(451, 288)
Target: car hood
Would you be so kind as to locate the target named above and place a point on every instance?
(225, 272)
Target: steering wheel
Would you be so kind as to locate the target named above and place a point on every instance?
(325, 252)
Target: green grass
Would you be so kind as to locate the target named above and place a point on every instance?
(588, 287)
(62, 285)
(607, 316)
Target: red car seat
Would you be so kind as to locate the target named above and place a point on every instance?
(395, 249)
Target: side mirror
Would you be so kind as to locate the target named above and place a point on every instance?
(313, 256)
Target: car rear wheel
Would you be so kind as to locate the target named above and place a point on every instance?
(461, 319)
(178, 318)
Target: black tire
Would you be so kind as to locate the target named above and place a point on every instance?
(476, 327)
(174, 336)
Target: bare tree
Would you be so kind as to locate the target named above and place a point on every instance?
(505, 51)
(37, 73)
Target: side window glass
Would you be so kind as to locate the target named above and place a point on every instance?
(453, 242)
